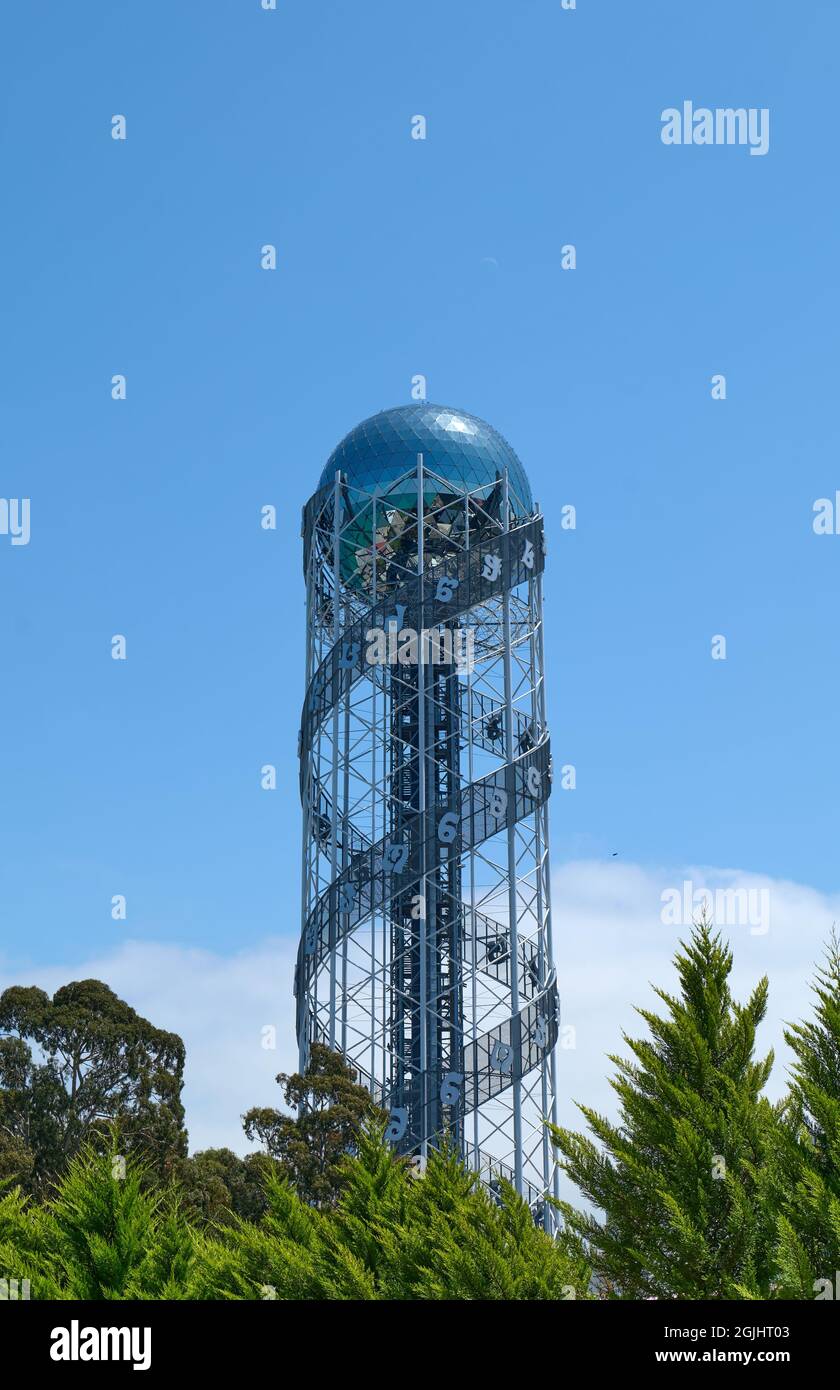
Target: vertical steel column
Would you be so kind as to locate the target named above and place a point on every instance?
(421, 796)
(538, 721)
(373, 800)
(306, 798)
(471, 775)
(334, 826)
(513, 904)
(546, 878)
(345, 861)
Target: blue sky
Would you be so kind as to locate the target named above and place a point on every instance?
(396, 257)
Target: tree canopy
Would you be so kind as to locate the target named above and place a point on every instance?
(72, 1064)
(311, 1145)
(106, 1234)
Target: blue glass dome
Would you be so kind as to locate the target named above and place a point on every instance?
(460, 448)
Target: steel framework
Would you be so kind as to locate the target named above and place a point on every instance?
(425, 953)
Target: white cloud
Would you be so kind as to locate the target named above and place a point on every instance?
(610, 946)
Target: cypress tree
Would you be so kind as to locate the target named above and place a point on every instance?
(805, 1177)
(676, 1180)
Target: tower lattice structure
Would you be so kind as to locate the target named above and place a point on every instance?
(425, 770)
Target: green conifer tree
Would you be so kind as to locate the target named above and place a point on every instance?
(676, 1179)
(392, 1236)
(107, 1233)
(804, 1179)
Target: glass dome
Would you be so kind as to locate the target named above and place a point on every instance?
(462, 455)
(459, 447)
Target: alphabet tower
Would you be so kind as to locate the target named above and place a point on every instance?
(425, 955)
